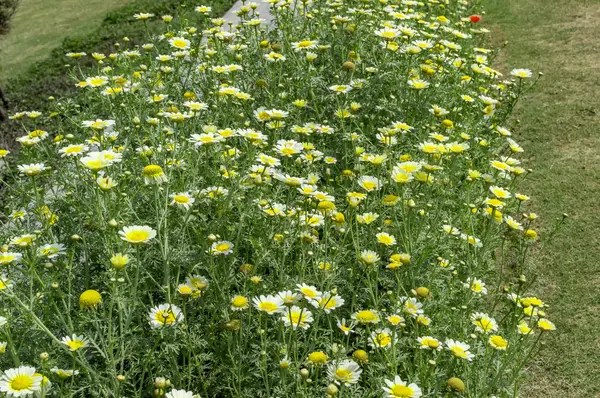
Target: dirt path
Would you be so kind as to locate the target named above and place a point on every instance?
(560, 129)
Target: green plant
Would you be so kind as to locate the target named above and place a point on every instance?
(50, 77)
(7, 9)
(330, 206)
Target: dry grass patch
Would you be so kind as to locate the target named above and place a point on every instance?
(560, 130)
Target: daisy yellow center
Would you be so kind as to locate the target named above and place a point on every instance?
(500, 165)
(458, 352)
(185, 289)
(545, 325)
(369, 185)
(297, 317)
(485, 324)
(313, 220)
(21, 382)
(499, 341)
(181, 199)
(208, 139)
(222, 247)
(432, 343)
(152, 170)
(74, 149)
(49, 251)
(305, 43)
(309, 292)
(268, 306)
(75, 344)
(328, 303)
(386, 240)
(343, 374)
(401, 391)
(383, 339)
(138, 236)
(366, 316)
(96, 82)
(95, 164)
(240, 302)
(263, 116)
(165, 317)
(180, 43)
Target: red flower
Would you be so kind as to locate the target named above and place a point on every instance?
(475, 18)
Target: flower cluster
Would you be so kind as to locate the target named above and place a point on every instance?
(326, 205)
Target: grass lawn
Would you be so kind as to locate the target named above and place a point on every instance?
(40, 25)
(560, 130)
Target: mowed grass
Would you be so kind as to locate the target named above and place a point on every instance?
(560, 130)
(40, 25)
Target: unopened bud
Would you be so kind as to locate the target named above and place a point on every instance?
(456, 384)
(332, 390)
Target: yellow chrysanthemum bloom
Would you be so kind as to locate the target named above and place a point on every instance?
(90, 299)
(317, 358)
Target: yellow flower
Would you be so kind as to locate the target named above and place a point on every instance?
(546, 325)
(137, 234)
(530, 235)
(498, 342)
(386, 239)
(165, 315)
(221, 248)
(239, 303)
(179, 43)
(90, 299)
(361, 356)
(21, 381)
(317, 358)
(75, 342)
(366, 316)
(369, 183)
(143, 16)
(119, 261)
(154, 174)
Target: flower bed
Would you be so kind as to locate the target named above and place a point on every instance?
(326, 207)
